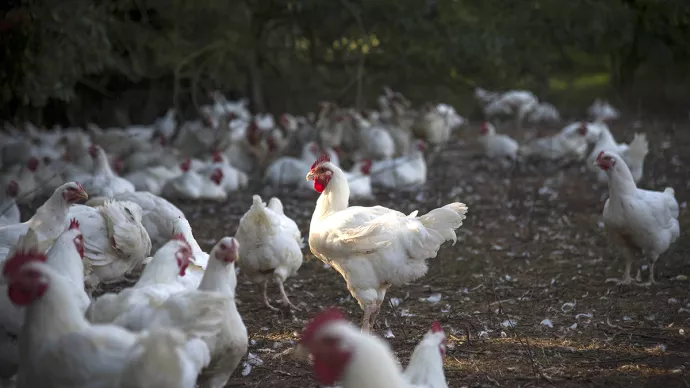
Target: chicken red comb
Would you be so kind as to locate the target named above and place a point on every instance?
(217, 157)
(436, 327)
(322, 159)
(333, 314)
(600, 155)
(79, 186)
(73, 224)
(19, 259)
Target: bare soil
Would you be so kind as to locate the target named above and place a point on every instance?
(531, 249)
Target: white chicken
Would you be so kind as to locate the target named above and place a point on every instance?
(58, 347)
(375, 141)
(633, 154)
(342, 354)
(9, 212)
(48, 222)
(232, 178)
(65, 257)
(563, 145)
(452, 117)
(164, 358)
(286, 171)
(197, 267)
(484, 96)
(163, 220)
(374, 248)
(359, 180)
(636, 220)
(496, 145)
(193, 185)
(425, 368)
(116, 241)
(26, 178)
(166, 125)
(152, 179)
(157, 282)
(104, 181)
(402, 173)
(432, 126)
(601, 110)
(209, 313)
(270, 246)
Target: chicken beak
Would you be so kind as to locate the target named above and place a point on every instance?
(82, 195)
(310, 176)
(301, 352)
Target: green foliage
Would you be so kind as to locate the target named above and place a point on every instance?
(287, 54)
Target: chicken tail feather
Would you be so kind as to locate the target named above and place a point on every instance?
(445, 220)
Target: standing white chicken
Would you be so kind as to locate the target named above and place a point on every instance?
(209, 313)
(343, 354)
(637, 221)
(270, 246)
(116, 242)
(104, 181)
(157, 282)
(9, 212)
(374, 248)
(65, 257)
(58, 347)
(48, 222)
(495, 145)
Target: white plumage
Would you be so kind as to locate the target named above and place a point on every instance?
(270, 245)
(636, 220)
(116, 241)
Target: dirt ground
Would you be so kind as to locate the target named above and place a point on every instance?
(523, 296)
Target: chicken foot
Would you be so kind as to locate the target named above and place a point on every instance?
(285, 300)
(627, 279)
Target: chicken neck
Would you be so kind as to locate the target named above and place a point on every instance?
(334, 198)
(51, 316)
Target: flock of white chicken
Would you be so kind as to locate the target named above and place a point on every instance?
(178, 325)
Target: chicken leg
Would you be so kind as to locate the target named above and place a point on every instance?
(285, 300)
(266, 302)
(369, 309)
(381, 295)
(627, 279)
(651, 281)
